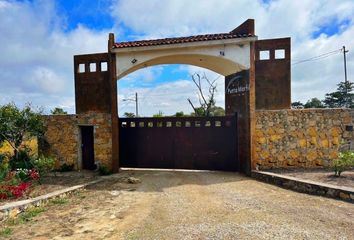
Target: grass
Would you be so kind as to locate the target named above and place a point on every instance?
(6, 232)
(80, 194)
(21, 219)
(59, 201)
(26, 216)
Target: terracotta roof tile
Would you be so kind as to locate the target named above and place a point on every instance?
(166, 41)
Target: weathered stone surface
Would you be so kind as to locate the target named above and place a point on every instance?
(305, 186)
(343, 195)
(300, 138)
(63, 138)
(133, 180)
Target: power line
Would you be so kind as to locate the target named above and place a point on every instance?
(321, 56)
(136, 103)
(123, 106)
(148, 94)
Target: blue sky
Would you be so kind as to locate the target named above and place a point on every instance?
(39, 37)
(93, 14)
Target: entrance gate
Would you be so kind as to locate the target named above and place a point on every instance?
(205, 143)
(257, 76)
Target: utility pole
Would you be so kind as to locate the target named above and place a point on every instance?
(345, 63)
(136, 103)
(345, 75)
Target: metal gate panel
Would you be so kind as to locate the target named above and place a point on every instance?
(208, 143)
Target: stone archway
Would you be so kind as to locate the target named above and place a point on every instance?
(236, 55)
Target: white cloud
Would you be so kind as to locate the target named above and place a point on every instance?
(36, 62)
(46, 80)
(169, 97)
(282, 18)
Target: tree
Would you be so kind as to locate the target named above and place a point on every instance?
(343, 97)
(180, 114)
(198, 112)
(159, 114)
(58, 111)
(129, 115)
(16, 125)
(314, 103)
(297, 105)
(206, 102)
(217, 111)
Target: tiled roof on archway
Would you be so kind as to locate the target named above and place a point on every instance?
(176, 40)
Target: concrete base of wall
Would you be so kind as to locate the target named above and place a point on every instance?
(306, 186)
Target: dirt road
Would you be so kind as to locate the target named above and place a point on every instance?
(190, 205)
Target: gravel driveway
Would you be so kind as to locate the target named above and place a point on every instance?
(191, 205)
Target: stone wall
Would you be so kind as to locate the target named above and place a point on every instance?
(300, 137)
(62, 138)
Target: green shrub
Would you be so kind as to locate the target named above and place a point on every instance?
(4, 166)
(43, 164)
(66, 167)
(3, 174)
(21, 160)
(103, 170)
(26, 216)
(344, 162)
(22, 174)
(5, 232)
(2, 157)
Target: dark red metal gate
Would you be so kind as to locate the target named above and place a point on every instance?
(181, 143)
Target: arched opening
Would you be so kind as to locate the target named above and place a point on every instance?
(166, 88)
(127, 64)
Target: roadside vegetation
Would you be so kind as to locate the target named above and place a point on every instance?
(20, 165)
(343, 97)
(344, 162)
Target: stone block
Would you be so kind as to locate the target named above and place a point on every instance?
(259, 133)
(325, 143)
(336, 131)
(271, 131)
(312, 132)
(261, 140)
(335, 141)
(311, 155)
(302, 143)
(313, 141)
(319, 162)
(275, 138)
(347, 120)
(351, 196)
(294, 154)
(344, 196)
